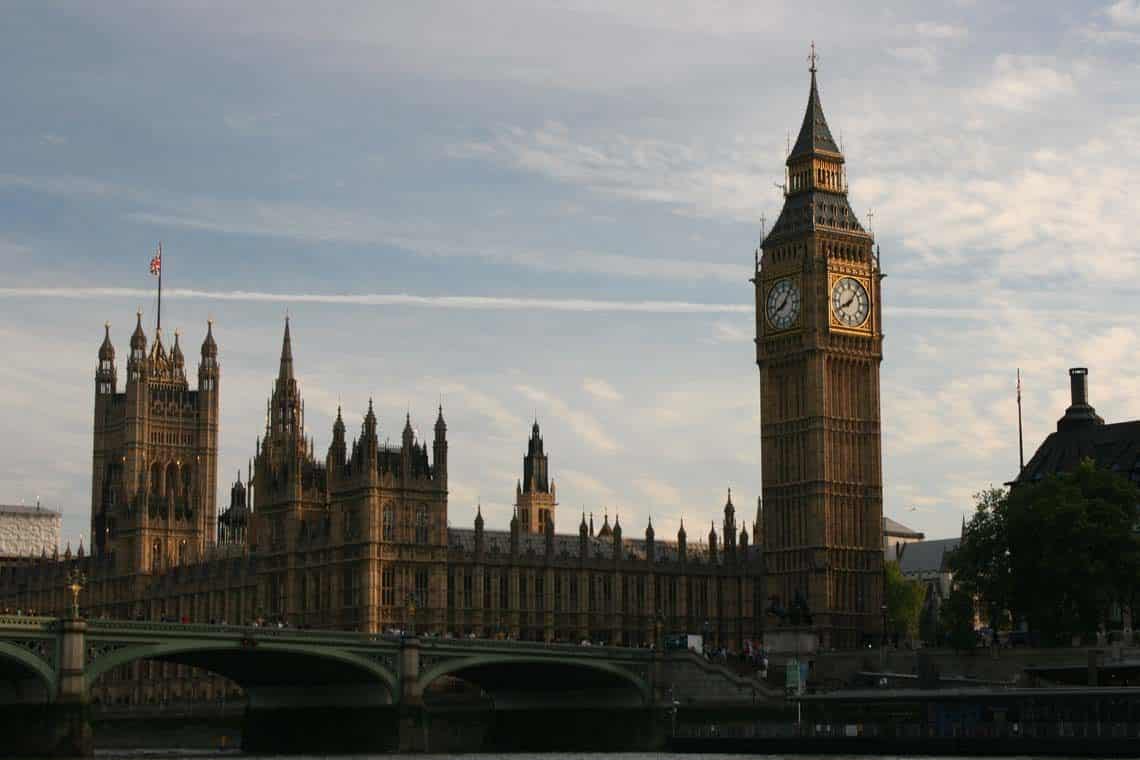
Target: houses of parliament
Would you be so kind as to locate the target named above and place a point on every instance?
(360, 539)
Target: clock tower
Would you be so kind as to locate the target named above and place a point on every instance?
(819, 345)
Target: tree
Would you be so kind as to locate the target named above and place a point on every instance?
(1058, 553)
(957, 616)
(905, 598)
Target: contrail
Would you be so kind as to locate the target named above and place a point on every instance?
(486, 303)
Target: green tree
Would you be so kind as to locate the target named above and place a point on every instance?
(957, 617)
(905, 598)
(1058, 553)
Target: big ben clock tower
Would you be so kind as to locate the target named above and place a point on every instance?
(818, 345)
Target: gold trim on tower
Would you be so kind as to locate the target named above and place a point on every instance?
(865, 327)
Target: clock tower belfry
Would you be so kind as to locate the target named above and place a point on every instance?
(818, 346)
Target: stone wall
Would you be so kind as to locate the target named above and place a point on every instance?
(28, 531)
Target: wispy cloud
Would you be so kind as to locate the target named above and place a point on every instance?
(600, 389)
(585, 425)
(499, 303)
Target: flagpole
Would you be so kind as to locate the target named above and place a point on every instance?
(1020, 438)
(158, 326)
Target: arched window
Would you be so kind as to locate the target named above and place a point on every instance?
(389, 523)
(422, 524)
(156, 556)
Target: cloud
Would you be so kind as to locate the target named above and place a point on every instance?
(1124, 13)
(660, 492)
(480, 303)
(588, 429)
(1020, 82)
(600, 389)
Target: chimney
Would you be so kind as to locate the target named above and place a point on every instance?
(1080, 413)
(1079, 382)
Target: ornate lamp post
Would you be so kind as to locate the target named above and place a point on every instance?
(411, 607)
(76, 580)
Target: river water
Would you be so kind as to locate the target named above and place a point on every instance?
(191, 754)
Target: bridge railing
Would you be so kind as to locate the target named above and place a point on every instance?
(27, 622)
(205, 629)
(537, 646)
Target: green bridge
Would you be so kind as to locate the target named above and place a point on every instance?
(346, 691)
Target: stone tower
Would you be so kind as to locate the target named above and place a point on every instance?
(154, 469)
(535, 494)
(819, 346)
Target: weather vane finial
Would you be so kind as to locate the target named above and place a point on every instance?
(812, 58)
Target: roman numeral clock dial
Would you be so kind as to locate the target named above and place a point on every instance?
(783, 304)
(849, 302)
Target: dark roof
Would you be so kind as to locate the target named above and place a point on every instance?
(567, 544)
(811, 210)
(814, 134)
(1113, 447)
(898, 530)
(926, 556)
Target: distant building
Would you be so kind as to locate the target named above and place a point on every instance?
(1082, 433)
(28, 531)
(895, 535)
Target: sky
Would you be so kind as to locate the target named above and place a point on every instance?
(534, 209)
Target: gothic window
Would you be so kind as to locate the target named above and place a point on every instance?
(104, 388)
(523, 601)
(350, 584)
(557, 593)
(183, 552)
(388, 587)
(641, 592)
(389, 523)
(156, 556)
(422, 587)
(539, 593)
(573, 593)
(467, 592)
(504, 593)
(422, 524)
(488, 601)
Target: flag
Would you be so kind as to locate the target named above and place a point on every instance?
(156, 263)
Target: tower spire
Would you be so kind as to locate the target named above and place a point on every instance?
(814, 134)
(1020, 438)
(286, 370)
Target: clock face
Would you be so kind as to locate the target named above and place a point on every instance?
(783, 305)
(849, 302)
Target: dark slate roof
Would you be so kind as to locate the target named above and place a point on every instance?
(814, 134)
(1114, 447)
(898, 530)
(926, 556)
(811, 210)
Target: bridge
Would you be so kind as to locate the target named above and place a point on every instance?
(334, 690)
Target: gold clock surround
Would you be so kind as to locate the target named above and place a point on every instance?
(837, 325)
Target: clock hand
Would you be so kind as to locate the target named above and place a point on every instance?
(782, 302)
(848, 303)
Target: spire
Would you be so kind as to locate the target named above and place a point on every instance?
(814, 134)
(649, 535)
(138, 337)
(106, 349)
(209, 347)
(176, 351)
(479, 516)
(681, 531)
(440, 425)
(286, 370)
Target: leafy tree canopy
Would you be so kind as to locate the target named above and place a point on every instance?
(1058, 553)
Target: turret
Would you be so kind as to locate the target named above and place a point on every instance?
(338, 449)
(136, 363)
(479, 530)
(729, 527)
(617, 537)
(758, 525)
(650, 542)
(583, 538)
(712, 542)
(105, 378)
(514, 535)
(682, 542)
(177, 360)
(439, 450)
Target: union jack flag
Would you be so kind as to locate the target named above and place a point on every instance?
(156, 262)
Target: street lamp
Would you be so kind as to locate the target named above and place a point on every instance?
(76, 580)
(411, 607)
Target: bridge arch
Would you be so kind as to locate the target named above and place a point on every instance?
(268, 668)
(570, 679)
(16, 660)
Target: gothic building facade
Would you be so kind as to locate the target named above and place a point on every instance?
(358, 540)
(818, 346)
